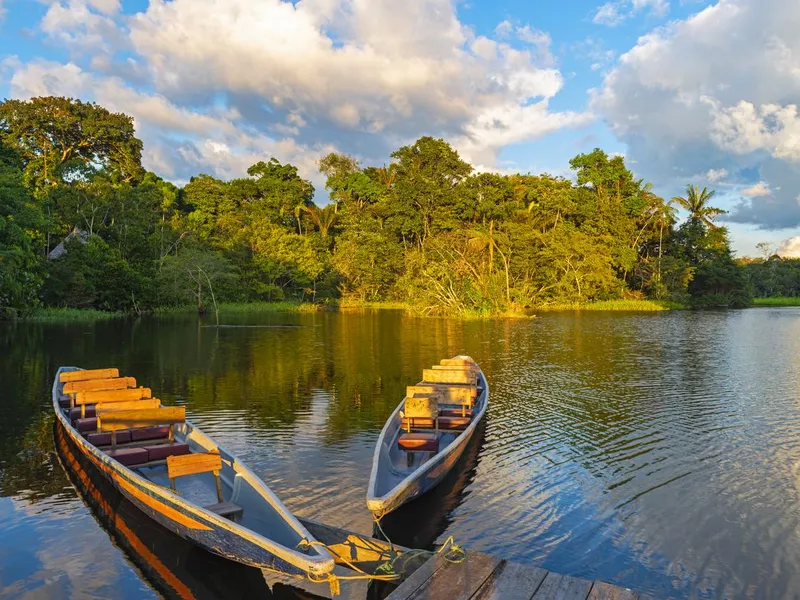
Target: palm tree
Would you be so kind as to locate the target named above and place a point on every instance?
(323, 218)
(696, 202)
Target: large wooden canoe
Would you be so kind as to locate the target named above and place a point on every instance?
(211, 498)
(427, 433)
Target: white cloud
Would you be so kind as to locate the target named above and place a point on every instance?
(613, 13)
(687, 99)
(716, 175)
(789, 248)
(361, 75)
(759, 189)
(178, 141)
(609, 14)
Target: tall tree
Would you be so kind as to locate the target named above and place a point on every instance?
(63, 139)
(697, 203)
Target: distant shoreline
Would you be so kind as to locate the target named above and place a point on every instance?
(55, 315)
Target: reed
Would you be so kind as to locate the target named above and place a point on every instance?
(54, 315)
(616, 305)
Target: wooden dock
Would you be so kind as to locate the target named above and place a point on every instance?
(478, 577)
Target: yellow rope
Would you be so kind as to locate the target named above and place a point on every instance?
(449, 551)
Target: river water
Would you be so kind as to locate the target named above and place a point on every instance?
(658, 451)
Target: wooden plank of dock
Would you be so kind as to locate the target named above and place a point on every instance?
(478, 577)
(483, 577)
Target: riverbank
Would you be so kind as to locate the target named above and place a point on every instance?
(78, 314)
(780, 301)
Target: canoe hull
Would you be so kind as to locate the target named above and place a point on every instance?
(203, 528)
(427, 476)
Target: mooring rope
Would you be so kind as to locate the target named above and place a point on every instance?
(386, 571)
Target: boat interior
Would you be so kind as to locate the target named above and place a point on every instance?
(432, 416)
(127, 424)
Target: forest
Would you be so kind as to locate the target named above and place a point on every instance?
(84, 225)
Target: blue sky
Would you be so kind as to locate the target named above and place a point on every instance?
(215, 85)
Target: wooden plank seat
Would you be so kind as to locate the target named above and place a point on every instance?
(447, 394)
(143, 423)
(69, 376)
(418, 442)
(453, 375)
(202, 462)
(90, 410)
(115, 383)
(109, 396)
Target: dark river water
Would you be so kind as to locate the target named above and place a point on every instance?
(656, 451)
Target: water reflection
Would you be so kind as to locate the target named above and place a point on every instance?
(659, 452)
(173, 566)
(420, 523)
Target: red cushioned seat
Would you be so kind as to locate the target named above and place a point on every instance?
(149, 433)
(85, 425)
(162, 451)
(418, 442)
(75, 413)
(454, 412)
(453, 422)
(63, 401)
(104, 439)
(129, 456)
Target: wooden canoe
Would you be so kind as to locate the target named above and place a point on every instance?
(398, 475)
(229, 511)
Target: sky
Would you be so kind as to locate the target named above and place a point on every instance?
(689, 91)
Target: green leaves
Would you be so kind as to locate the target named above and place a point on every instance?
(62, 139)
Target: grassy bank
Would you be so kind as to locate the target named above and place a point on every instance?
(616, 305)
(229, 308)
(780, 301)
(52, 315)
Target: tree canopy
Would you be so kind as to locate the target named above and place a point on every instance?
(424, 229)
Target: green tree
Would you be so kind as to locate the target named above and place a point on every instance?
(20, 272)
(63, 139)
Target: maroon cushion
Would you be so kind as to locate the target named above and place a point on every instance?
(418, 442)
(63, 401)
(129, 456)
(149, 433)
(162, 451)
(104, 439)
(453, 422)
(84, 425)
(75, 413)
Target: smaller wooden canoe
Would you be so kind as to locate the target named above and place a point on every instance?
(427, 433)
(180, 478)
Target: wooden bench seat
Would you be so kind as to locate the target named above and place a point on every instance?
(225, 509)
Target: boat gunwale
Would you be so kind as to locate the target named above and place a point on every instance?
(320, 563)
(386, 499)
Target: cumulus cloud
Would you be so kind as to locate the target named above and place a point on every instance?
(759, 189)
(363, 76)
(179, 141)
(789, 248)
(716, 175)
(686, 99)
(612, 14)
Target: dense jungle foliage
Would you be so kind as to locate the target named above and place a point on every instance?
(85, 225)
